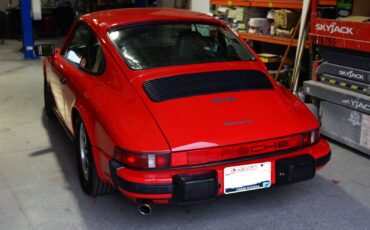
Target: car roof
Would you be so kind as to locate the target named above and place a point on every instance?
(111, 18)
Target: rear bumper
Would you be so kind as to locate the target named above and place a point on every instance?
(205, 183)
(137, 187)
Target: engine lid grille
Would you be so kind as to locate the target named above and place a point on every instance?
(188, 85)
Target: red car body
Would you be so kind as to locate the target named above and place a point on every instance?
(200, 135)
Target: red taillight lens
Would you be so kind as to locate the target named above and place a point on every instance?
(317, 134)
(306, 138)
(162, 161)
(142, 160)
(310, 137)
(135, 160)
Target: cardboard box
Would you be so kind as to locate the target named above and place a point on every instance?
(361, 7)
(252, 12)
(239, 14)
(286, 19)
(284, 33)
(242, 26)
(259, 26)
(231, 14)
(269, 58)
(355, 19)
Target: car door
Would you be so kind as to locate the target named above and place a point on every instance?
(86, 64)
(63, 65)
(56, 80)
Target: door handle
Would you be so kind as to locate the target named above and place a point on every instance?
(63, 80)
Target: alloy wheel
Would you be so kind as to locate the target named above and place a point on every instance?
(84, 152)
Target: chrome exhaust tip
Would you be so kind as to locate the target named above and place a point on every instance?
(144, 209)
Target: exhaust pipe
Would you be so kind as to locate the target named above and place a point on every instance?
(144, 209)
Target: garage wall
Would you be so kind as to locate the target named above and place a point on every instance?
(202, 6)
(3, 5)
(166, 3)
(361, 8)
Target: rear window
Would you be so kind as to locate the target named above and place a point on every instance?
(158, 44)
(188, 85)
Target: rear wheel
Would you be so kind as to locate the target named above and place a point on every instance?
(48, 101)
(90, 181)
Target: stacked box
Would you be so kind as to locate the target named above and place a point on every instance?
(252, 12)
(285, 19)
(231, 14)
(284, 33)
(259, 26)
(239, 17)
(222, 14)
(239, 14)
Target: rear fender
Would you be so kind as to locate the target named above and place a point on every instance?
(86, 115)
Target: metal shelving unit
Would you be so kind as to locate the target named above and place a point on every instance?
(286, 4)
(270, 39)
(230, 3)
(343, 101)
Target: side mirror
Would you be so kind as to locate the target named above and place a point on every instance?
(44, 50)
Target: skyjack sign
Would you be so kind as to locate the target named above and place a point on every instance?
(333, 28)
(351, 74)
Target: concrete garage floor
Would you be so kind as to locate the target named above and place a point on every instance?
(39, 188)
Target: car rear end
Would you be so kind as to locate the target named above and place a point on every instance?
(201, 175)
(229, 127)
(229, 135)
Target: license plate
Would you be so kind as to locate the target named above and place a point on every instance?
(247, 177)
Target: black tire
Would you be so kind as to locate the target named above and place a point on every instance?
(89, 179)
(48, 101)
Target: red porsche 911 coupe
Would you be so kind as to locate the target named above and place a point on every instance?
(172, 106)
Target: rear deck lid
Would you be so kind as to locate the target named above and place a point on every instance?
(203, 110)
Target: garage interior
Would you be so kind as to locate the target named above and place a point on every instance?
(40, 189)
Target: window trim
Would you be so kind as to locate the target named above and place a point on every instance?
(138, 24)
(77, 66)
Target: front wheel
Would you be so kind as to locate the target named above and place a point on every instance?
(89, 179)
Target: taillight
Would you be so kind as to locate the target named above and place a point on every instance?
(310, 137)
(142, 160)
(317, 134)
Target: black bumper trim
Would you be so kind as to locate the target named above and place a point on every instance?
(135, 187)
(295, 169)
(323, 160)
(166, 188)
(194, 188)
(145, 188)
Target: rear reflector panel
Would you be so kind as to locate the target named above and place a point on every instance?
(210, 155)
